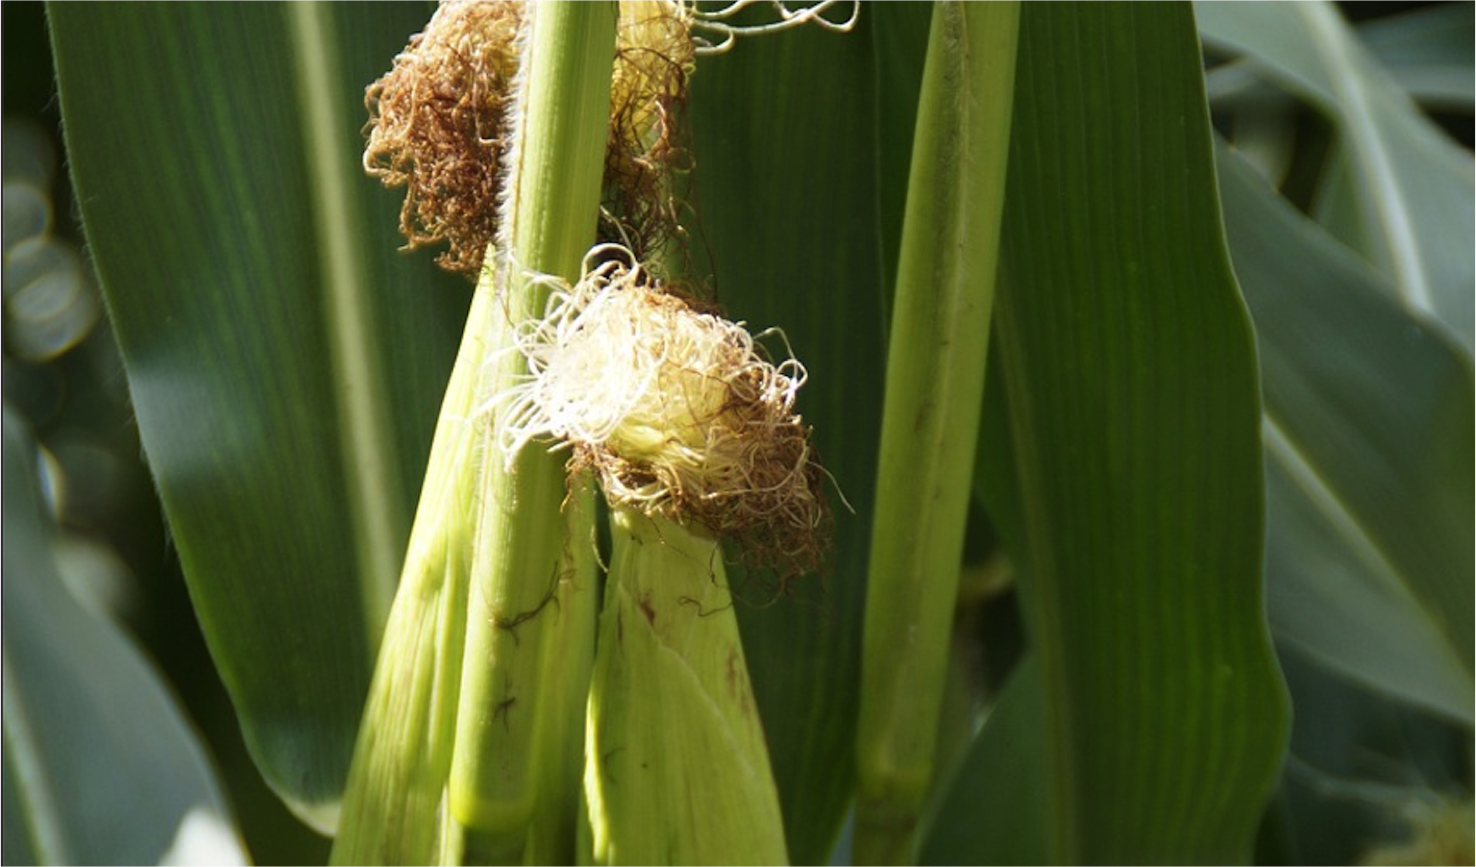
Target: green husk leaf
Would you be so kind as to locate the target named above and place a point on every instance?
(677, 771)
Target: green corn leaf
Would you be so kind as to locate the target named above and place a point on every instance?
(285, 362)
(995, 811)
(1128, 381)
(1405, 196)
(1428, 50)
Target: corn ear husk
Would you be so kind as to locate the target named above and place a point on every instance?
(403, 751)
(676, 767)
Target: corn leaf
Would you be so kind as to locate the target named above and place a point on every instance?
(996, 808)
(1405, 196)
(101, 765)
(1368, 428)
(1428, 50)
(284, 361)
(1126, 469)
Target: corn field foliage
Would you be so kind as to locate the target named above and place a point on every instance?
(1137, 344)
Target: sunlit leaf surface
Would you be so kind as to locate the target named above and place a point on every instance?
(284, 380)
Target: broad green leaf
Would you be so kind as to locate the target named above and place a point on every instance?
(788, 205)
(1429, 52)
(101, 766)
(1368, 430)
(1413, 187)
(1129, 380)
(284, 360)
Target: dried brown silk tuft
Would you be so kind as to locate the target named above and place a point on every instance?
(437, 126)
(438, 121)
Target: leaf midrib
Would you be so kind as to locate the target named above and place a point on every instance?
(1322, 493)
(360, 405)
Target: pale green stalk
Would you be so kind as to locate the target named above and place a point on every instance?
(519, 611)
(677, 770)
(934, 389)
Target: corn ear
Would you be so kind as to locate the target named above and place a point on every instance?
(676, 767)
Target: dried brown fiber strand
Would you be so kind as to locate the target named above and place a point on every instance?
(438, 121)
(437, 126)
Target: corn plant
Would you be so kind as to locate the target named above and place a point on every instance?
(895, 433)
